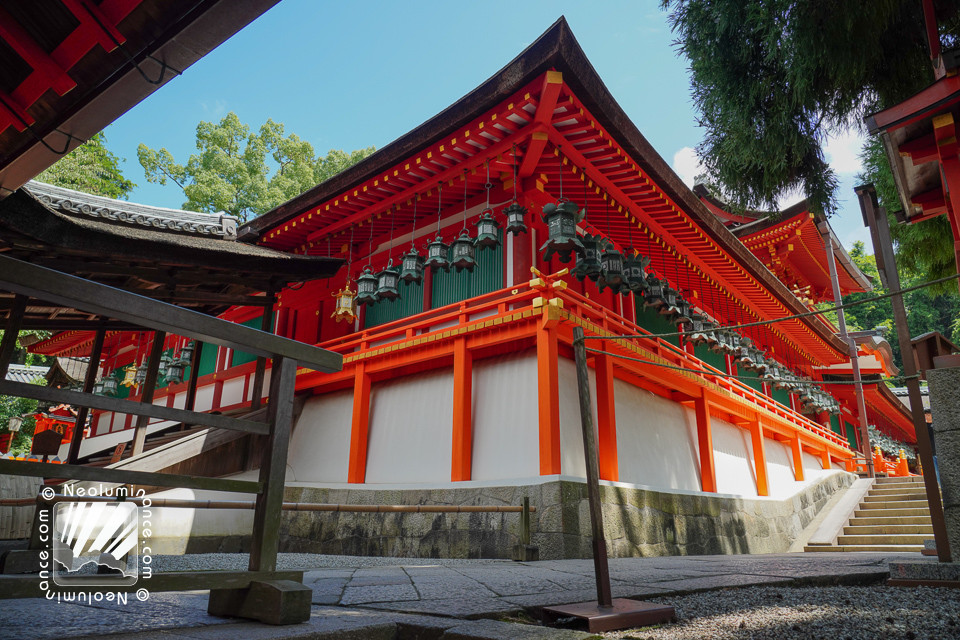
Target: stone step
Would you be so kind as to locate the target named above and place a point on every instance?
(893, 504)
(892, 512)
(882, 522)
(895, 491)
(896, 497)
(912, 479)
(887, 529)
(906, 539)
(898, 485)
(875, 548)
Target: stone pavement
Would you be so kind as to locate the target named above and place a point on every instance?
(400, 599)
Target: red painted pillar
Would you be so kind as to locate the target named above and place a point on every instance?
(462, 412)
(548, 401)
(360, 426)
(606, 419)
(708, 470)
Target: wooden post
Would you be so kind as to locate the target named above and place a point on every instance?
(876, 219)
(11, 332)
(462, 410)
(146, 394)
(797, 451)
(360, 426)
(601, 568)
(273, 468)
(191, 400)
(825, 459)
(265, 324)
(548, 401)
(759, 457)
(708, 470)
(606, 418)
(88, 382)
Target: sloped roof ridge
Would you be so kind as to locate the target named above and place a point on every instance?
(76, 202)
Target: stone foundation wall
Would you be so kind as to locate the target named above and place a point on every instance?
(638, 522)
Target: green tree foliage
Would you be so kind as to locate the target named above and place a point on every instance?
(10, 406)
(90, 168)
(243, 173)
(927, 310)
(771, 78)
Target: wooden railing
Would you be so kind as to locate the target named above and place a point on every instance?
(28, 281)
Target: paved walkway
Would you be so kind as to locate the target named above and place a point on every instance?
(396, 599)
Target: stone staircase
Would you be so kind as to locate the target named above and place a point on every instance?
(892, 516)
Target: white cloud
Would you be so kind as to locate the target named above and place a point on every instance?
(842, 149)
(687, 165)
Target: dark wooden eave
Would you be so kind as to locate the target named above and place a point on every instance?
(202, 273)
(91, 85)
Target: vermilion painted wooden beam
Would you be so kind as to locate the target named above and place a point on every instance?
(920, 150)
(946, 133)
(797, 459)
(552, 84)
(360, 426)
(462, 412)
(606, 418)
(34, 55)
(759, 457)
(99, 28)
(708, 469)
(532, 155)
(548, 401)
(825, 459)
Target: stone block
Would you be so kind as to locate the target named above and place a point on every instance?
(271, 601)
(526, 552)
(16, 561)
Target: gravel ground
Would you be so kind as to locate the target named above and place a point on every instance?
(802, 613)
(290, 561)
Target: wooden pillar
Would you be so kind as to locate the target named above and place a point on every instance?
(427, 289)
(88, 382)
(10, 333)
(265, 537)
(548, 398)
(606, 419)
(146, 393)
(708, 470)
(797, 458)
(360, 426)
(194, 376)
(759, 457)
(462, 411)
(825, 458)
(261, 368)
(522, 255)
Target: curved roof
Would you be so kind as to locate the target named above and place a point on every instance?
(551, 106)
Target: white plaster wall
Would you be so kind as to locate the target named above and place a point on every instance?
(232, 392)
(320, 444)
(506, 432)
(780, 477)
(410, 437)
(733, 459)
(571, 432)
(204, 401)
(656, 440)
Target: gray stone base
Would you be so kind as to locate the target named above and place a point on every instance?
(919, 573)
(638, 522)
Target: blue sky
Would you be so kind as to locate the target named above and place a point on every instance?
(346, 75)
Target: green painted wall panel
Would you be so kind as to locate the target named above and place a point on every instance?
(782, 396)
(450, 287)
(717, 360)
(409, 303)
(851, 436)
(242, 357)
(208, 359)
(835, 424)
(656, 323)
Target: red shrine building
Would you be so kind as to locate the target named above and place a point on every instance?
(472, 247)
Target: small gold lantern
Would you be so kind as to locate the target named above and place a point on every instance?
(346, 309)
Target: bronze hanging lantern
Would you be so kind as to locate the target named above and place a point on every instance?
(367, 287)
(109, 386)
(669, 307)
(694, 328)
(635, 271)
(387, 281)
(165, 361)
(516, 218)
(174, 373)
(611, 269)
(98, 387)
(186, 352)
(345, 309)
(654, 294)
(683, 315)
(561, 220)
(412, 267)
(141, 376)
(488, 231)
(437, 252)
(463, 252)
(588, 264)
